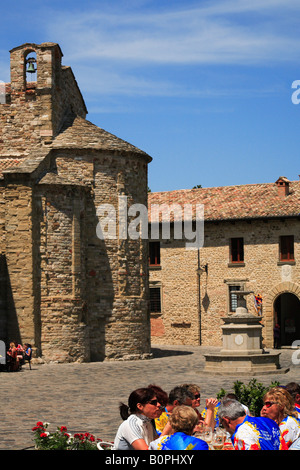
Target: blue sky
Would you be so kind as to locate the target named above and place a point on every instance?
(203, 86)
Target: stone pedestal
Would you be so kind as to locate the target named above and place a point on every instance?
(242, 352)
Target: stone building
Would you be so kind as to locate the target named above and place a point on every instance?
(72, 294)
(251, 242)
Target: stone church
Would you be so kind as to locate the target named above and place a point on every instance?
(71, 294)
(251, 242)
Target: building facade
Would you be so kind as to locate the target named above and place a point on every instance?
(251, 243)
(67, 289)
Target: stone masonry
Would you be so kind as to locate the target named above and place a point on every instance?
(195, 284)
(71, 294)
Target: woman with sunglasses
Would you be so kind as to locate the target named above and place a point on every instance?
(279, 406)
(137, 430)
(208, 418)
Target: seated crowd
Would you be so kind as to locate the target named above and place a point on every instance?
(17, 355)
(156, 420)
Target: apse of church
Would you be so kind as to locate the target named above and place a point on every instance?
(70, 294)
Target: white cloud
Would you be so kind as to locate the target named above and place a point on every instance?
(229, 32)
(128, 49)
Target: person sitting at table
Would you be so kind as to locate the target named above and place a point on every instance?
(279, 406)
(20, 353)
(179, 395)
(27, 352)
(183, 420)
(12, 356)
(294, 389)
(216, 408)
(137, 430)
(248, 432)
(210, 406)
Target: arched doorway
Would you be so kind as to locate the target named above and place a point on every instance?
(287, 316)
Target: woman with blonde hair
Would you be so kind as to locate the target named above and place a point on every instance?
(13, 360)
(183, 421)
(279, 406)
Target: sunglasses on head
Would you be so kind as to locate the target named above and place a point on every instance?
(268, 404)
(197, 396)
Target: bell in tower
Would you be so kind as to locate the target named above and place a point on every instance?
(30, 69)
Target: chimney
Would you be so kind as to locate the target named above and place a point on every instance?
(283, 186)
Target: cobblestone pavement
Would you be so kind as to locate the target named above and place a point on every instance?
(85, 397)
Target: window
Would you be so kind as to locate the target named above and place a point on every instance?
(233, 298)
(155, 303)
(154, 253)
(237, 250)
(286, 248)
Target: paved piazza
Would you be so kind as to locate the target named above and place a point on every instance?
(85, 397)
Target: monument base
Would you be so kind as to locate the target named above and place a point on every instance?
(243, 364)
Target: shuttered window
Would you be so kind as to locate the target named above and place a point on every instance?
(237, 250)
(286, 248)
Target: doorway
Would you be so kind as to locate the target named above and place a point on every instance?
(287, 316)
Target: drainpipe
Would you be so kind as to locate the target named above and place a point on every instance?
(199, 297)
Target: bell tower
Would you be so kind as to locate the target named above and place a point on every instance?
(40, 98)
(36, 79)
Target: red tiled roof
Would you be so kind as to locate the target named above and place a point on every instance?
(235, 202)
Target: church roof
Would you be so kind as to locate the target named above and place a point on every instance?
(249, 201)
(82, 134)
(77, 135)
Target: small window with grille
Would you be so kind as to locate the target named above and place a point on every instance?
(155, 300)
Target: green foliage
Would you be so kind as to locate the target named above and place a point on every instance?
(250, 395)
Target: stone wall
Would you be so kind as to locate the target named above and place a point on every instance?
(184, 319)
(71, 294)
(16, 245)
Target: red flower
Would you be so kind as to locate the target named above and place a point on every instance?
(63, 429)
(43, 434)
(92, 439)
(39, 423)
(38, 428)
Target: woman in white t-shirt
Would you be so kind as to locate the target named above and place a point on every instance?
(137, 430)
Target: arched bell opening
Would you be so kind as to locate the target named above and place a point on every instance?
(30, 69)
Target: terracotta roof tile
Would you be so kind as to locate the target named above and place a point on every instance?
(8, 163)
(235, 202)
